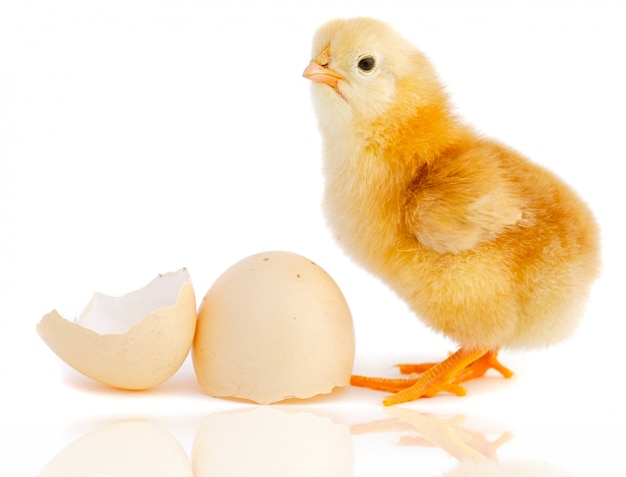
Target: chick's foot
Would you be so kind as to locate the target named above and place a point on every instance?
(474, 370)
(446, 376)
(381, 384)
(397, 385)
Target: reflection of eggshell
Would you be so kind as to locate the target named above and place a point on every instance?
(131, 448)
(136, 341)
(267, 441)
(273, 326)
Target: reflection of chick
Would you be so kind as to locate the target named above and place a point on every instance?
(430, 430)
(485, 246)
(510, 469)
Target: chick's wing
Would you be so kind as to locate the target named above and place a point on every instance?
(464, 200)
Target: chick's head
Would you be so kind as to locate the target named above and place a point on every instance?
(362, 68)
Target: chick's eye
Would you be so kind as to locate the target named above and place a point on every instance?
(367, 63)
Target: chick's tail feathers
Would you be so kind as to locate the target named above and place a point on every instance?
(445, 376)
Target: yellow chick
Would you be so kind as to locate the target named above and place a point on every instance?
(486, 247)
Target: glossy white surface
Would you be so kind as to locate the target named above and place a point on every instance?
(139, 137)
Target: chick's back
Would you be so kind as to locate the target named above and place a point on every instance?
(502, 252)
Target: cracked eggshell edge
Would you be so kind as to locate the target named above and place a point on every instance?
(148, 354)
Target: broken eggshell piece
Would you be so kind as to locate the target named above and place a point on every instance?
(136, 341)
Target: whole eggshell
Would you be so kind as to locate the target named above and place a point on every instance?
(273, 326)
(135, 341)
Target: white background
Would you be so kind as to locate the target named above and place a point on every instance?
(138, 137)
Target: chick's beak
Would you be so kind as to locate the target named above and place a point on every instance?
(319, 72)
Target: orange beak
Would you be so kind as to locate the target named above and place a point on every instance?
(319, 71)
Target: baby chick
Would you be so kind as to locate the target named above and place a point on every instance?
(486, 247)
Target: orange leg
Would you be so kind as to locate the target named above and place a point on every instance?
(483, 364)
(461, 366)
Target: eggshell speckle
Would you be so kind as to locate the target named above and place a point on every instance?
(273, 326)
(136, 341)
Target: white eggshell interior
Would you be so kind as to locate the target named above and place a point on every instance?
(108, 314)
(273, 326)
